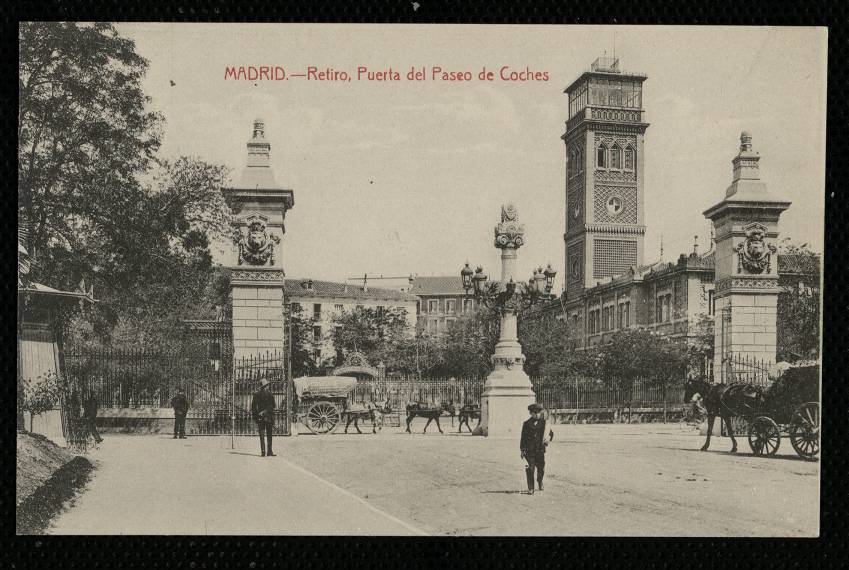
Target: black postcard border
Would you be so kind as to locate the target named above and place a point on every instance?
(308, 553)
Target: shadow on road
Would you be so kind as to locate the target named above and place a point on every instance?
(507, 492)
(741, 454)
(244, 453)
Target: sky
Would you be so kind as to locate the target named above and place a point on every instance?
(394, 178)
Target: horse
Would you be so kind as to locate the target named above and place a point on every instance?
(726, 401)
(467, 412)
(426, 410)
(375, 412)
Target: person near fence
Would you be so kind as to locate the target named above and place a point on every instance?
(89, 417)
(262, 411)
(536, 435)
(181, 409)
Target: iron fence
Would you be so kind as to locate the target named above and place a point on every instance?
(219, 390)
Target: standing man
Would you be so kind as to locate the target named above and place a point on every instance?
(262, 410)
(181, 409)
(536, 435)
(89, 415)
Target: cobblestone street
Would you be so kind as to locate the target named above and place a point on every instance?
(645, 480)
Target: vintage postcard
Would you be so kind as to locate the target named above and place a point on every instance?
(292, 279)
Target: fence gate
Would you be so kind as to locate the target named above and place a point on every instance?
(134, 388)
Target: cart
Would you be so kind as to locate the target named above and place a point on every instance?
(322, 400)
(792, 409)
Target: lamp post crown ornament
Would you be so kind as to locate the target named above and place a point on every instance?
(509, 233)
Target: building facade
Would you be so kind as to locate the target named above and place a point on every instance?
(441, 301)
(322, 301)
(608, 287)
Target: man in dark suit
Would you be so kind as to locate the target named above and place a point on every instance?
(89, 415)
(262, 410)
(181, 409)
(536, 435)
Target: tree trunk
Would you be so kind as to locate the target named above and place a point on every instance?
(663, 391)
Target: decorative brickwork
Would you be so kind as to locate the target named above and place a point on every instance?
(628, 199)
(613, 257)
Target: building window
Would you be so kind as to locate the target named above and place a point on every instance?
(450, 306)
(468, 305)
(580, 162)
(629, 158)
(316, 311)
(663, 313)
(627, 314)
(711, 303)
(433, 326)
(611, 318)
(339, 308)
(616, 157)
(619, 321)
(316, 333)
(316, 355)
(418, 307)
(601, 156)
(432, 305)
(449, 323)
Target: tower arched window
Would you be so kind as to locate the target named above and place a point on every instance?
(630, 157)
(616, 157)
(601, 156)
(579, 162)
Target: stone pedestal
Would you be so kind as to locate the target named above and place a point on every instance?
(746, 278)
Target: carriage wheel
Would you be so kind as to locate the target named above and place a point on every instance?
(323, 417)
(805, 430)
(764, 436)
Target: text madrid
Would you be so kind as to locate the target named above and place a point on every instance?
(435, 73)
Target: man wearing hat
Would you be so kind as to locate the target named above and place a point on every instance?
(536, 436)
(262, 410)
(181, 409)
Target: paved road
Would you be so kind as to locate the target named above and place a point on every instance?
(644, 480)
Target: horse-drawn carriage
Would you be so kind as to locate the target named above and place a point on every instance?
(788, 407)
(323, 402)
(791, 408)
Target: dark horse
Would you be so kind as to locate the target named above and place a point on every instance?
(468, 412)
(375, 412)
(426, 410)
(726, 401)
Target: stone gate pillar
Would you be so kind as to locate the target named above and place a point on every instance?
(257, 277)
(746, 279)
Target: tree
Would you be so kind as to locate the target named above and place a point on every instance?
(374, 332)
(798, 306)
(303, 346)
(83, 137)
(470, 343)
(95, 201)
(39, 396)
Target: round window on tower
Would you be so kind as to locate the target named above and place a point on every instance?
(614, 205)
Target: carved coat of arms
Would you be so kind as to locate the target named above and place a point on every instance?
(256, 247)
(754, 255)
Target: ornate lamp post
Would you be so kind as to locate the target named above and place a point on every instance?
(507, 392)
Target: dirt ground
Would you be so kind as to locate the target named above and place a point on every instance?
(38, 459)
(601, 480)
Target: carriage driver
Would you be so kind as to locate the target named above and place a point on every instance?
(262, 410)
(536, 435)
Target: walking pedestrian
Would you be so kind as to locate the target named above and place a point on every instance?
(262, 410)
(181, 408)
(536, 435)
(89, 416)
